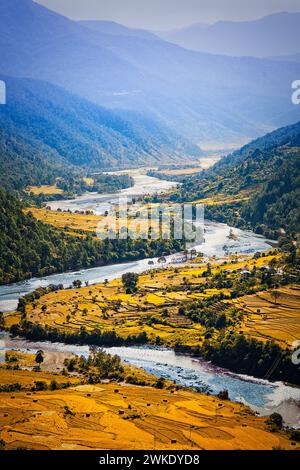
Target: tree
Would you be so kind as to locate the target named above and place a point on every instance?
(275, 420)
(275, 294)
(160, 383)
(223, 395)
(39, 358)
(130, 281)
(77, 283)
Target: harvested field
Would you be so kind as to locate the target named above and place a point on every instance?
(94, 417)
(272, 317)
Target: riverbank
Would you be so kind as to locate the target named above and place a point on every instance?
(161, 312)
(262, 396)
(216, 238)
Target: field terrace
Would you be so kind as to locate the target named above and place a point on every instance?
(154, 308)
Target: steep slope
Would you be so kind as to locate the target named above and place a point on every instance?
(31, 248)
(268, 170)
(63, 127)
(272, 35)
(24, 165)
(182, 88)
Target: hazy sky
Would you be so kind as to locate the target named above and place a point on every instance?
(168, 14)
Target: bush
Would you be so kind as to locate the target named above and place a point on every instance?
(223, 395)
(40, 386)
(295, 435)
(275, 422)
(160, 383)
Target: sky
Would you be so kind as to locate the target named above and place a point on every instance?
(169, 14)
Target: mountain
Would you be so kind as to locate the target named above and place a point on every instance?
(181, 89)
(268, 170)
(272, 35)
(53, 129)
(289, 58)
(111, 27)
(31, 248)
(23, 164)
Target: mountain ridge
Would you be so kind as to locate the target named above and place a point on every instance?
(267, 172)
(181, 88)
(276, 34)
(63, 130)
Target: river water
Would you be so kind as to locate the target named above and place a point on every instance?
(100, 203)
(262, 396)
(216, 236)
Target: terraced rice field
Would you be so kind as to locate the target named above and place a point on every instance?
(110, 416)
(153, 309)
(267, 317)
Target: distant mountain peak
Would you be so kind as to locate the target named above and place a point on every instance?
(272, 35)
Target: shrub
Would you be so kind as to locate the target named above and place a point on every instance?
(275, 422)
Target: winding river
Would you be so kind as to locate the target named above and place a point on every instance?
(216, 236)
(262, 396)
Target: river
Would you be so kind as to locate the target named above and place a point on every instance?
(216, 236)
(261, 396)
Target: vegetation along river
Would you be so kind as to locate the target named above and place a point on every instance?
(216, 237)
(262, 396)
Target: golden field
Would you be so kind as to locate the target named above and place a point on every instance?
(266, 317)
(181, 171)
(221, 199)
(26, 378)
(153, 309)
(46, 190)
(89, 223)
(122, 417)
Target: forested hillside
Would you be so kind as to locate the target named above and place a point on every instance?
(25, 164)
(30, 248)
(268, 171)
(63, 128)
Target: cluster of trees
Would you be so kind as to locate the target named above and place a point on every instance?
(201, 312)
(31, 248)
(101, 183)
(23, 164)
(248, 356)
(232, 350)
(96, 337)
(130, 281)
(98, 366)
